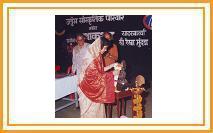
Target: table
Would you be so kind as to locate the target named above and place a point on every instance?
(65, 85)
(119, 96)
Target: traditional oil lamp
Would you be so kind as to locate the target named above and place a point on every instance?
(137, 98)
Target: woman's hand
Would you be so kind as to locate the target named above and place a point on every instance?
(117, 66)
(103, 50)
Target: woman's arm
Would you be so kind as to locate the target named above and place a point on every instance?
(117, 65)
(109, 67)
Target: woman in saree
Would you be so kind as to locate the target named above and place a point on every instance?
(95, 83)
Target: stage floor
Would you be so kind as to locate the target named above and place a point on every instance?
(73, 112)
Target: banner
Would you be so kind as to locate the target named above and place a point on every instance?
(131, 33)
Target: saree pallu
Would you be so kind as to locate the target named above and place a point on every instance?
(96, 87)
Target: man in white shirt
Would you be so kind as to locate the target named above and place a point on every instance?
(78, 52)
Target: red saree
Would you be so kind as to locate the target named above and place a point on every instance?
(98, 85)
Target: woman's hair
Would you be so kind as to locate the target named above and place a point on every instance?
(107, 33)
(106, 42)
(111, 36)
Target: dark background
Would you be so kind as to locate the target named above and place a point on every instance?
(139, 60)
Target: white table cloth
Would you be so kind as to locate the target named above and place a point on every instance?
(65, 86)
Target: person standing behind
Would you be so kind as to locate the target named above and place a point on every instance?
(111, 55)
(78, 52)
